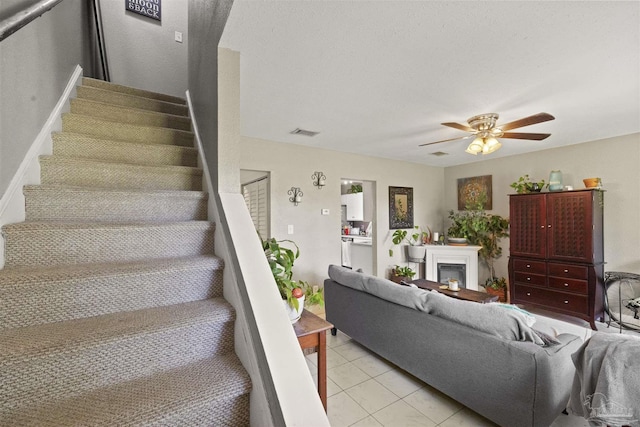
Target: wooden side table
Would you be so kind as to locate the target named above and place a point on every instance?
(311, 331)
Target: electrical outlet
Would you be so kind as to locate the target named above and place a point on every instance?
(178, 36)
(289, 229)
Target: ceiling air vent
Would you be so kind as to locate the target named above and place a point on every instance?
(304, 132)
(439, 154)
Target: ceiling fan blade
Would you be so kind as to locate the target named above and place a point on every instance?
(533, 136)
(527, 121)
(458, 126)
(446, 140)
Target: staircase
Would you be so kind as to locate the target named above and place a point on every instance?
(111, 307)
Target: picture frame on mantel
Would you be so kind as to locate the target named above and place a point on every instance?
(400, 207)
(469, 189)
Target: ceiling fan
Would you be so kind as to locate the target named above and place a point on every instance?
(483, 128)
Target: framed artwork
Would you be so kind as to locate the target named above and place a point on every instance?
(470, 189)
(400, 207)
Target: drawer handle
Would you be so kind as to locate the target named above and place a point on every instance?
(566, 271)
(566, 301)
(528, 265)
(566, 284)
(542, 226)
(528, 294)
(529, 278)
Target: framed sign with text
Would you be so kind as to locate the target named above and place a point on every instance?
(149, 8)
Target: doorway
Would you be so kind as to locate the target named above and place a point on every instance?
(358, 217)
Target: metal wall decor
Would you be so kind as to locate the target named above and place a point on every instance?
(318, 179)
(473, 190)
(296, 195)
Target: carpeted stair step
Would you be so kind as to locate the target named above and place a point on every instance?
(116, 113)
(209, 392)
(101, 84)
(37, 295)
(77, 145)
(67, 358)
(131, 101)
(107, 129)
(89, 173)
(66, 203)
(62, 243)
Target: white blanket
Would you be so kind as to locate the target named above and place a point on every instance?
(606, 388)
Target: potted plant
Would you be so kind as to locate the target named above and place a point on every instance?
(293, 292)
(415, 241)
(524, 185)
(485, 230)
(398, 274)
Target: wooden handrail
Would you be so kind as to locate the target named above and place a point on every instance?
(22, 18)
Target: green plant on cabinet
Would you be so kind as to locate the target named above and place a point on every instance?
(524, 185)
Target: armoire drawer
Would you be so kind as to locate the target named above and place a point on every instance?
(569, 285)
(526, 266)
(570, 271)
(530, 279)
(560, 300)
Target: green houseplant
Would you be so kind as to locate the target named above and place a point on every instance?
(524, 185)
(417, 238)
(485, 230)
(281, 261)
(399, 274)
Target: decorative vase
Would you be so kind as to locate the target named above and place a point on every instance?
(294, 315)
(555, 181)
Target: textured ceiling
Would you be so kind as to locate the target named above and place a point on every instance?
(378, 78)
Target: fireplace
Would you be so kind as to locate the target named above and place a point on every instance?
(448, 271)
(446, 261)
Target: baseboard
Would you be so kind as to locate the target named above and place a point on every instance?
(12, 208)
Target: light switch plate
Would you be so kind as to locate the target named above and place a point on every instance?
(325, 211)
(289, 229)
(178, 36)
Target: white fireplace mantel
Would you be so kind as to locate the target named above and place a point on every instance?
(447, 254)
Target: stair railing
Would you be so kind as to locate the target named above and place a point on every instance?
(22, 18)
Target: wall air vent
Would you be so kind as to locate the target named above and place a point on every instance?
(304, 132)
(439, 154)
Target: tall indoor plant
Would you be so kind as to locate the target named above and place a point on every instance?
(483, 229)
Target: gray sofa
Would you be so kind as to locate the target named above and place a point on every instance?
(500, 369)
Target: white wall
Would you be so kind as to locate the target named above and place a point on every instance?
(615, 160)
(142, 52)
(318, 236)
(35, 65)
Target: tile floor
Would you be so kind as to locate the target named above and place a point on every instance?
(366, 390)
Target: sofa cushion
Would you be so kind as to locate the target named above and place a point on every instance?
(493, 319)
(407, 296)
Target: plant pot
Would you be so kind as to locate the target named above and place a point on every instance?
(397, 279)
(416, 252)
(294, 315)
(501, 293)
(592, 182)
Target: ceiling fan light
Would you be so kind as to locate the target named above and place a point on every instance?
(491, 145)
(475, 147)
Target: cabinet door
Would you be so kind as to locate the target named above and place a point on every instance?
(570, 226)
(528, 226)
(355, 206)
